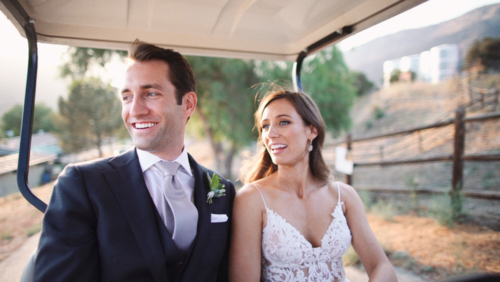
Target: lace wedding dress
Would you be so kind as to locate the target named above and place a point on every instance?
(288, 256)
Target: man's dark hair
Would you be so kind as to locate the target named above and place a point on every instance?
(180, 72)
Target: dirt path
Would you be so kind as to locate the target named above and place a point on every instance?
(19, 220)
(433, 251)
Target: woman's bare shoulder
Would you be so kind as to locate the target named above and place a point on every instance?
(262, 184)
(345, 189)
(248, 190)
(248, 195)
(348, 194)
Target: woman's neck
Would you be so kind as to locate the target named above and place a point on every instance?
(296, 178)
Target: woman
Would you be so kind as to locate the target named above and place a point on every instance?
(290, 222)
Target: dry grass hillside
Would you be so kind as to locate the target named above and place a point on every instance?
(408, 105)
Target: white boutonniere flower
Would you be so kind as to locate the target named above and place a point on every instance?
(216, 188)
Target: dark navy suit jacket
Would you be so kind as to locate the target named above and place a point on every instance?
(102, 225)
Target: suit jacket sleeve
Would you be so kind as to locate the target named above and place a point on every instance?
(68, 248)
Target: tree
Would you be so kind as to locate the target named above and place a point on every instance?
(91, 114)
(328, 80)
(395, 75)
(80, 61)
(11, 120)
(279, 73)
(92, 111)
(361, 83)
(485, 52)
(225, 105)
(42, 119)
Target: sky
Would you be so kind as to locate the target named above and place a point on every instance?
(425, 14)
(14, 50)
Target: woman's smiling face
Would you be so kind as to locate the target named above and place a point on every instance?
(284, 133)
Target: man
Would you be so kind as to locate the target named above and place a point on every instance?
(143, 215)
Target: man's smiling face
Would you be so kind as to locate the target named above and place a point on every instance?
(149, 108)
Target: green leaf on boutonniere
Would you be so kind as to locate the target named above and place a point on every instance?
(217, 189)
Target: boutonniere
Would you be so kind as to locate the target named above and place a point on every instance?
(216, 188)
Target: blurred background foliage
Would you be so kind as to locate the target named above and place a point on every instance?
(89, 115)
(228, 94)
(42, 120)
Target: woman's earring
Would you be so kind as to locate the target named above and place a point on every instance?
(310, 148)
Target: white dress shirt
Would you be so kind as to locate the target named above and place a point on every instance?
(154, 178)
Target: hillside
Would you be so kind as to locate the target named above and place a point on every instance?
(405, 106)
(464, 30)
(409, 105)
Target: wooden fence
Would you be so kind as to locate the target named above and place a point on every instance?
(483, 97)
(458, 158)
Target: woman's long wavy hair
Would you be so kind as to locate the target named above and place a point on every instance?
(262, 165)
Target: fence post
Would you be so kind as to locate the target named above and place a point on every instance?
(348, 141)
(420, 146)
(481, 93)
(469, 91)
(495, 93)
(458, 163)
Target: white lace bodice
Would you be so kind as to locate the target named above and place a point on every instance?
(288, 256)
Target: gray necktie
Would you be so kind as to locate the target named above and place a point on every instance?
(182, 218)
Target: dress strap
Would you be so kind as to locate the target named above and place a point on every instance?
(338, 189)
(260, 195)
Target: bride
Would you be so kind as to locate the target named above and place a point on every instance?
(290, 221)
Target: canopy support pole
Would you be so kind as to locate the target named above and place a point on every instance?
(23, 165)
(318, 45)
(297, 66)
(27, 123)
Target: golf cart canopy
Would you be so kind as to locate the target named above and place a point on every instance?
(252, 29)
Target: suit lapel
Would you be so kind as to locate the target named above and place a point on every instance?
(128, 185)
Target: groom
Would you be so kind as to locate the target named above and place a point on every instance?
(143, 215)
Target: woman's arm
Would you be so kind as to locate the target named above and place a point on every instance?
(377, 265)
(246, 235)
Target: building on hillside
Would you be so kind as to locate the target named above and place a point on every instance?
(435, 65)
(45, 152)
(41, 170)
(424, 73)
(389, 67)
(444, 62)
(409, 64)
(41, 142)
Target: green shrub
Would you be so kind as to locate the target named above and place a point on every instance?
(378, 112)
(412, 184)
(440, 209)
(384, 209)
(6, 234)
(34, 229)
(490, 180)
(369, 124)
(366, 199)
(427, 269)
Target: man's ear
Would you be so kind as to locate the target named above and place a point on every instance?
(189, 101)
